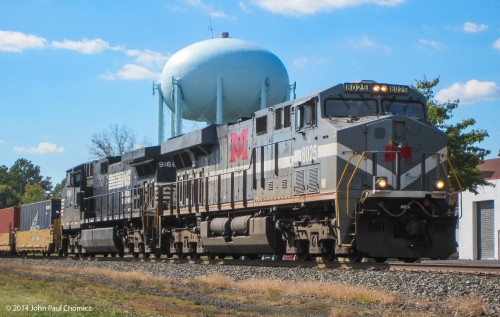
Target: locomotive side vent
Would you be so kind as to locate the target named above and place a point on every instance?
(270, 185)
(300, 187)
(313, 184)
(284, 184)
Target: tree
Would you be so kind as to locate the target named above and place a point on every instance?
(112, 142)
(464, 152)
(57, 192)
(33, 193)
(24, 172)
(8, 196)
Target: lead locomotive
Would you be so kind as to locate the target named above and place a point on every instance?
(355, 170)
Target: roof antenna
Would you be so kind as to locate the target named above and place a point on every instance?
(210, 26)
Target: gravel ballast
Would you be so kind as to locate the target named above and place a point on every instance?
(438, 287)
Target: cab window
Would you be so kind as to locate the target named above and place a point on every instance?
(350, 107)
(305, 115)
(410, 109)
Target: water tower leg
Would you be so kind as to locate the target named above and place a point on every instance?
(160, 116)
(263, 93)
(219, 116)
(177, 108)
(172, 124)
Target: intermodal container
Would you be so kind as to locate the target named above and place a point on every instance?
(40, 215)
(9, 219)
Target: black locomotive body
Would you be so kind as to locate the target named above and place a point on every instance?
(355, 170)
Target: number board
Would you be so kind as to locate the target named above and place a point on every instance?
(357, 87)
(398, 89)
(368, 88)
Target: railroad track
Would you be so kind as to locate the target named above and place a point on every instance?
(426, 266)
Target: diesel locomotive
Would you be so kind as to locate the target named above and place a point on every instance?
(354, 171)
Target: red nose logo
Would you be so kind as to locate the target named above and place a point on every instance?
(405, 152)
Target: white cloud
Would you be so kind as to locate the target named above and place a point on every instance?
(42, 148)
(244, 7)
(423, 43)
(363, 43)
(301, 7)
(131, 72)
(308, 62)
(2, 141)
(148, 58)
(85, 46)
(470, 92)
(472, 27)
(366, 42)
(496, 45)
(11, 41)
(207, 9)
(147, 65)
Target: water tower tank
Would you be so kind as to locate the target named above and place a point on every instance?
(225, 71)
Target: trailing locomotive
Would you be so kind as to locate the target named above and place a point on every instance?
(354, 171)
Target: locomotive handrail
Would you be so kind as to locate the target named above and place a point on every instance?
(456, 179)
(337, 211)
(350, 181)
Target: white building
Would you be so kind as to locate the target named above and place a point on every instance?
(479, 228)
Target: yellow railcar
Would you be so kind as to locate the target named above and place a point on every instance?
(6, 244)
(45, 241)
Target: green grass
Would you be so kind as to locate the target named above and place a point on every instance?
(59, 291)
(24, 295)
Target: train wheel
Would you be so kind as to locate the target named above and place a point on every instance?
(146, 255)
(408, 260)
(211, 256)
(380, 259)
(157, 254)
(105, 255)
(328, 251)
(113, 255)
(355, 256)
(136, 255)
(301, 257)
(121, 254)
(194, 256)
(328, 256)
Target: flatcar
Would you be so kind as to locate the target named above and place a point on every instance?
(31, 228)
(355, 170)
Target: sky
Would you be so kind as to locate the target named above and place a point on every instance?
(70, 69)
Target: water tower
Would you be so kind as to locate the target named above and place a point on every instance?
(220, 80)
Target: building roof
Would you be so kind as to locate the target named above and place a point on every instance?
(490, 169)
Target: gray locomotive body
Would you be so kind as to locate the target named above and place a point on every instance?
(355, 170)
(301, 178)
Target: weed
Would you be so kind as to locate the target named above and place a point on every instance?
(466, 307)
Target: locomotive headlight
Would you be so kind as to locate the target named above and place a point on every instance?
(384, 88)
(376, 88)
(380, 182)
(439, 184)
